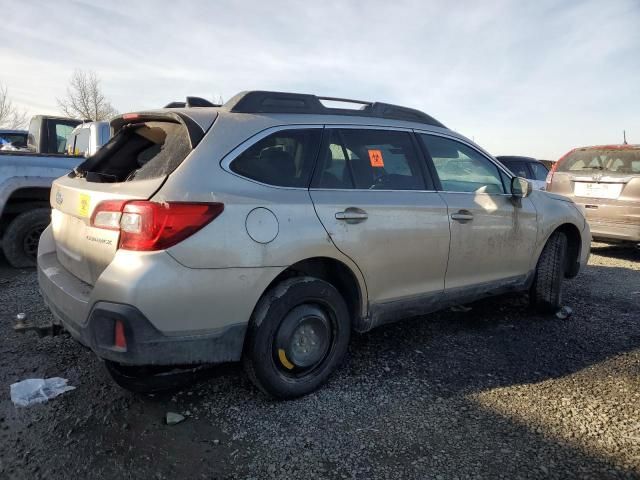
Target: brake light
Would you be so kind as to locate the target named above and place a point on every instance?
(147, 226)
(550, 175)
(555, 166)
(131, 116)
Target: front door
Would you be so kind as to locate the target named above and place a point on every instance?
(492, 235)
(370, 194)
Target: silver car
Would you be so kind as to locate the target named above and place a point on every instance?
(268, 229)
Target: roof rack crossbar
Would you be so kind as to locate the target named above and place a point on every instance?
(345, 100)
(192, 102)
(282, 102)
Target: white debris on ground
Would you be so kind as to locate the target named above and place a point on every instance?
(37, 390)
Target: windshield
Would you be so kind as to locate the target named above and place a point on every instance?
(611, 161)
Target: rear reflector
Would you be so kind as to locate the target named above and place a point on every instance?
(147, 226)
(119, 340)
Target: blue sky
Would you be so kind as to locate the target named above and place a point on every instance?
(531, 78)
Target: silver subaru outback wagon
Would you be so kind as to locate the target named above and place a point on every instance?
(267, 229)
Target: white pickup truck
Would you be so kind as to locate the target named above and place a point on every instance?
(55, 145)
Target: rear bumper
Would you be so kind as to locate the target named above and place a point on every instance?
(172, 315)
(145, 345)
(614, 232)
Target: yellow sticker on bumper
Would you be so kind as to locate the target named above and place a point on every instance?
(84, 204)
(284, 360)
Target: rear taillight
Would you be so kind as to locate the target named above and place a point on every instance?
(554, 168)
(550, 175)
(148, 226)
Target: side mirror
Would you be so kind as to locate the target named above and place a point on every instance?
(520, 187)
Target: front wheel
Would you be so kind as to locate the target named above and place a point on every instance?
(546, 291)
(298, 335)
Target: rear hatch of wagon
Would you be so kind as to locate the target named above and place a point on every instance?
(606, 181)
(133, 165)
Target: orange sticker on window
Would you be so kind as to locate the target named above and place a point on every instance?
(375, 157)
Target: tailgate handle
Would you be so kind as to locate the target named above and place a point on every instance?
(352, 215)
(462, 216)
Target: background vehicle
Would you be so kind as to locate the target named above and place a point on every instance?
(605, 181)
(267, 229)
(25, 185)
(527, 167)
(87, 138)
(13, 139)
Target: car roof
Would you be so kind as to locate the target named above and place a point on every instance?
(622, 146)
(5, 130)
(517, 157)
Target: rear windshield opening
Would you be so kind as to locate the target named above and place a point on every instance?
(611, 161)
(139, 151)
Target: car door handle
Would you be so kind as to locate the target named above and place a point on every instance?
(462, 216)
(352, 215)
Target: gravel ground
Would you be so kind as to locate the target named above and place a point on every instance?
(495, 392)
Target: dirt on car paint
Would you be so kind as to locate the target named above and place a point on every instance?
(492, 392)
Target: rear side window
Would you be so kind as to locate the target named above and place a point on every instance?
(139, 151)
(283, 159)
(462, 169)
(369, 160)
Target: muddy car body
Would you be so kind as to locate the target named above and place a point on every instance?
(605, 181)
(269, 228)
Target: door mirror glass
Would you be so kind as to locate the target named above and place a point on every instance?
(520, 187)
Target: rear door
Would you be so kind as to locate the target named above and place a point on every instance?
(371, 195)
(492, 237)
(132, 166)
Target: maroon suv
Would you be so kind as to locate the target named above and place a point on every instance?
(605, 180)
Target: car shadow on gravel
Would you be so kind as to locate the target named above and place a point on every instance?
(622, 252)
(405, 404)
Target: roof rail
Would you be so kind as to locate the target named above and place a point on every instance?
(192, 102)
(282, 102)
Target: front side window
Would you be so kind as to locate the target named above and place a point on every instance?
(369, 160)
(460, 168)
(283, 159)
(539, 170)
(517, 167)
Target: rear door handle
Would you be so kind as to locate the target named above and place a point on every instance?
(462, 216)
(352, 215)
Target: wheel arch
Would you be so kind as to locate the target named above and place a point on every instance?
(574, 247)
(338, 274)
(17, 197)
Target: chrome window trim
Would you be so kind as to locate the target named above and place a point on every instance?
(477, 150)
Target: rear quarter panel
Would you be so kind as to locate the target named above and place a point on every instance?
(226, 242)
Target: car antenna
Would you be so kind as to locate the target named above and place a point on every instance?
(624, 136)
